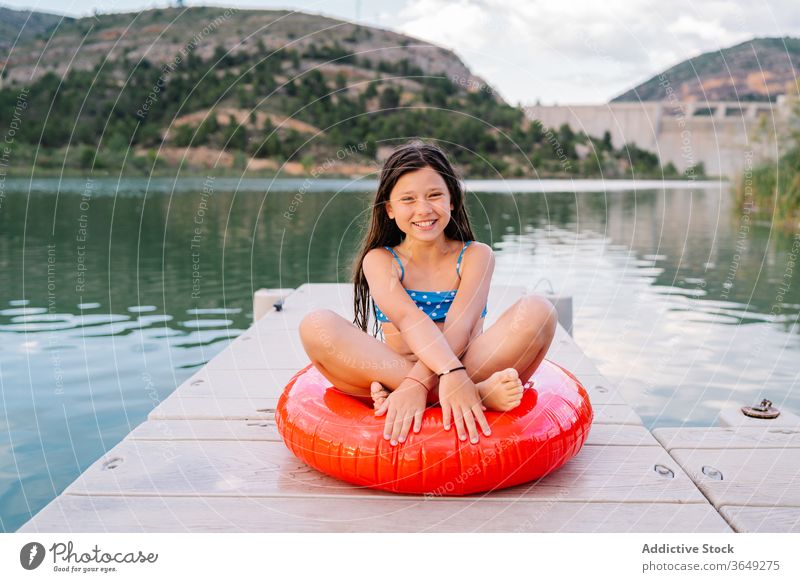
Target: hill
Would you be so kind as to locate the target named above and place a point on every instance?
(265, 90)
(756, 70)
(158, 35)
(20, 26)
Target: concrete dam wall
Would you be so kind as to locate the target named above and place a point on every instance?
(725, 136)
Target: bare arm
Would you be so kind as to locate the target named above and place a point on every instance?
(458, 396)
(437, 350)
(457, 340)
(477, 268)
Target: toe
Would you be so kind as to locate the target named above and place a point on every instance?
(507, 376)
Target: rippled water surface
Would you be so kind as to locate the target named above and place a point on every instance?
(114, 293)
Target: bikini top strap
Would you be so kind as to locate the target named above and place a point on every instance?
(458, 265)
(403, 270)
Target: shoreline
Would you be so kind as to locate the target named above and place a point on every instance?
(477, 184)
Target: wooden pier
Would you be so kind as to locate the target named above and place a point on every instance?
(209, 459)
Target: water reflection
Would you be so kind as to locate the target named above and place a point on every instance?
(110, 302)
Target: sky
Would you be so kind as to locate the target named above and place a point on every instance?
(568, 52)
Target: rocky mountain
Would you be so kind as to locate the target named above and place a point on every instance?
(59, 45)
(20, 26)
(205, 88)
(756, 70)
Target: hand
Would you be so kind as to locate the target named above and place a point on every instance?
(404, 405)
(459, 397)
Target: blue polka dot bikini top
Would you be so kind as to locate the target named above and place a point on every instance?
(435, 304)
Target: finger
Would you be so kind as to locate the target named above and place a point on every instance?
(481, 418)
(387, 426)
(406, 427)
(398, 424)
(382, 408)
(459, 422)
(446, 416)
(469, 420)
(418, 420)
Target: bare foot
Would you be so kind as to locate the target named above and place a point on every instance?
(501, 391)
(378, 393)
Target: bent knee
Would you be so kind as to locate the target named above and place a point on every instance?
(539, 314)
(316, 327)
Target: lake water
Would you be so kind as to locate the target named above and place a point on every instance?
(113, 293)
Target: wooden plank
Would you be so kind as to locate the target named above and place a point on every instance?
(310, 296)
(615, 414)
(578, 364)
(264, 347)
(272, 343)
(208, 383)
(265, 430)
(178, 408)
(732, 417)
(74, 514)
(728, 438)
(564, 342)
(767, 476)
(600, 390)
(252, 383)
(762, 519)
(207, 430)
(265, 350)
(263, 468)
(620, 435)
(284, 320)
(265, 299)
(212, 449)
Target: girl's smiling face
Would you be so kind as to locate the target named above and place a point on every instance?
(418, 198)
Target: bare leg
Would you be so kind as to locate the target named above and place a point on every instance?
(350, 358)
(510, 350)
(517, 342)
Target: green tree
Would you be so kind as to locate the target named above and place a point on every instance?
(235, 136)
(183, 135)
(390, 98)
(86, 156)
(371, 90)
(606, 143)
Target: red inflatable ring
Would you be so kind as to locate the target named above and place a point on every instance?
(339, 435)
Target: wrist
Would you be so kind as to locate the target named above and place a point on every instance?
(453, 370)
(410, 380)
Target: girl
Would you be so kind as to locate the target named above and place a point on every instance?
(429, 282)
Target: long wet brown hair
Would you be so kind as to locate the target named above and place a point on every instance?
(383, 231)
